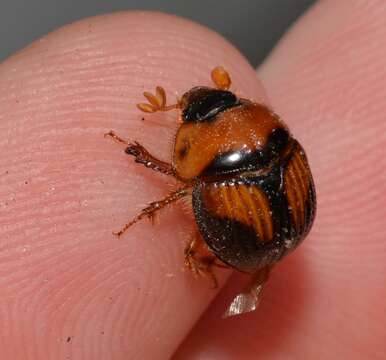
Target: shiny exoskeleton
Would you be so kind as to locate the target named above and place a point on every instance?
(252, 191)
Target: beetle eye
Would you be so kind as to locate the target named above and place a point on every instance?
(184, 149)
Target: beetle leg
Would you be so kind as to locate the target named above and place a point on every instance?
(221, 78)
(151, 210)
(142, 156)
(200, 261)
(156, 102)
(249, 299)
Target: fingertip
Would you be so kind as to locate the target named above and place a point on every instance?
(59, 97)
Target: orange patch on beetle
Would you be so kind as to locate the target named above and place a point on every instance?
(297, 183)
(245, 204)
(197, 144)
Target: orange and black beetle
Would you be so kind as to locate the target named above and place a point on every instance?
(252, 191)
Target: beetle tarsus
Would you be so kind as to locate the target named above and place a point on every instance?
(199, 260)
(115, 137)
(151, 210)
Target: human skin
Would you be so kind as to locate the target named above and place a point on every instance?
(71, 290)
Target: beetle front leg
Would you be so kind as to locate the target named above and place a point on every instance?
(142, 156)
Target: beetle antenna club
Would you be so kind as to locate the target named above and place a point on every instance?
(251, 189)
(156, 102)
(221, 78)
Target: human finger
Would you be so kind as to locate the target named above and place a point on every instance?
(69, 287)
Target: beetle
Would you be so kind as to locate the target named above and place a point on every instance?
(251, 188)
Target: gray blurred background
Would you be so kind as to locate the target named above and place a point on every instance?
(254, 26)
